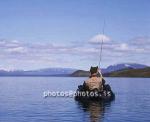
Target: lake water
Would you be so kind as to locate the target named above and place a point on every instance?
(21, 100)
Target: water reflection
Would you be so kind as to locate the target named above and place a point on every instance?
(95, 109)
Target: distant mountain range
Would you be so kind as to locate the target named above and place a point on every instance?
(73, 72)
(117, 67)
(119, 70)
(40, 72)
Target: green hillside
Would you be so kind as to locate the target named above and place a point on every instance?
(80, 73)
(145, 72)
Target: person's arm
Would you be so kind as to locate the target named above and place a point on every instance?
(85, 86)
(100, 73)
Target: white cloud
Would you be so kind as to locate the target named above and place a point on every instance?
(140, 50)
(123, 46)
(85, 50)
(17, 50)
(47, 53)
(99, 38)
(141, 41)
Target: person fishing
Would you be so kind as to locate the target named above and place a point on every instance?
(95, 81)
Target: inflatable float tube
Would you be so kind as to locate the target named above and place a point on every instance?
(82, 94)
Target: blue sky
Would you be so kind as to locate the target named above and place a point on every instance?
(67, 33)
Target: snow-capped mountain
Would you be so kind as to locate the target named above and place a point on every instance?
(123, 66)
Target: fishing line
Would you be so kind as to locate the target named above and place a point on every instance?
(102, 41)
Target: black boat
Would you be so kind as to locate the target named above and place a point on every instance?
(84, 94)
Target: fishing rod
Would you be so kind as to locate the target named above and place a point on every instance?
(102, 41)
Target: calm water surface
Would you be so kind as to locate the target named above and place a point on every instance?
(21, 100)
